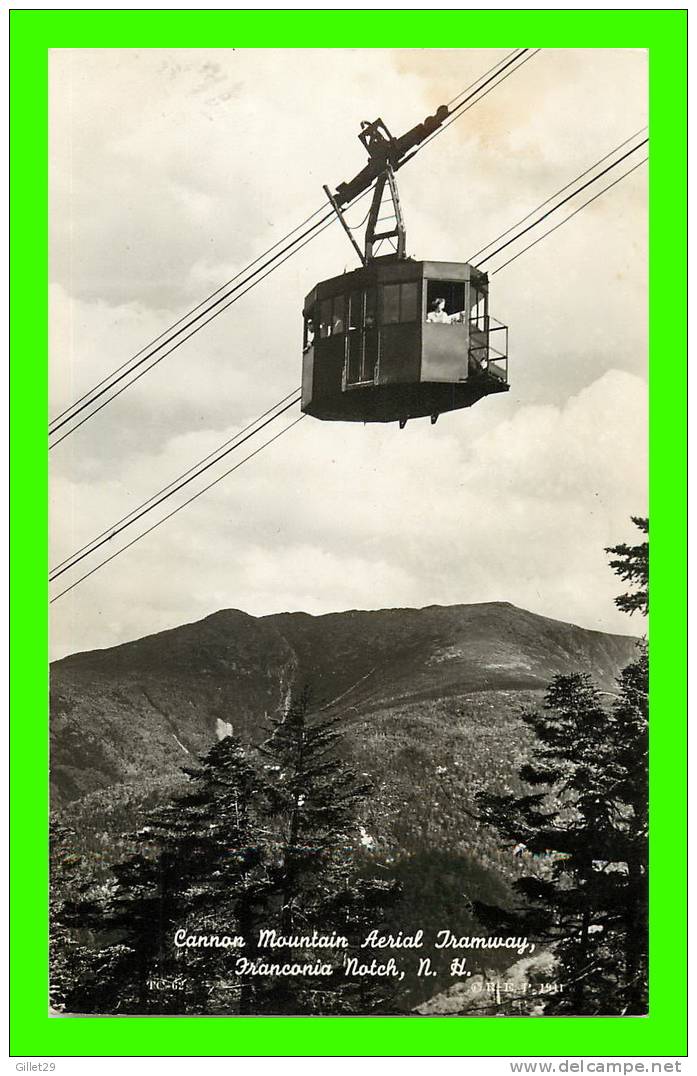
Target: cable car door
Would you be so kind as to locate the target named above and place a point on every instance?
(362, 338)
(479, 329)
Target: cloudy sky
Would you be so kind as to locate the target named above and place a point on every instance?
(171, 170)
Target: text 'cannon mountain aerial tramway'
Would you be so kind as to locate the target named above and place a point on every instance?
(397, 338)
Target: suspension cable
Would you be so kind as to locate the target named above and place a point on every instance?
(493, 68)
(573, 214)
(557, 193)
(178, 508)
(319, 227)
(184, 323)
(457, 114)
(568, 198)
(327, 218)
(195, 471)
(188, 314)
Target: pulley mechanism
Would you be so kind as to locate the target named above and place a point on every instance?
(387, 154)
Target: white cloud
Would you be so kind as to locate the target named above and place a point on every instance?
(334, 517)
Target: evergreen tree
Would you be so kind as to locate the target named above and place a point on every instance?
(589, 821)
(631, 563)
(67, 954)
(314, 805)
(583, 827)
(631, 735)
(631, 713)
(199, 870)
(263, 840)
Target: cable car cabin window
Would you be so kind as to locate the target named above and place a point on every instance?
(408, 296)
(370, 335)
(445, 301)
(325, 318)
(399, 303)
(362, 344)
(355, 318)
(331, 316)
(338, 315)
(308, 332)
(478, 308)
(371, 306)
(390, 304)
(354, 351)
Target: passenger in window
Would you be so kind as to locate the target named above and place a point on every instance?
(438, 314)
(309, 333)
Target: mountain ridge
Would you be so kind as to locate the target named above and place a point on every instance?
(138, 707)
(300, 613)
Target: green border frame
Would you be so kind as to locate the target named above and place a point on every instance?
(664, 34)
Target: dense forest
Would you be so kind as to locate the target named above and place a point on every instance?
(475, 788)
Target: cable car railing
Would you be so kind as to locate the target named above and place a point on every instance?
(484, 356)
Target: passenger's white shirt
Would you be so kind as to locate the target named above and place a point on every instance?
(441, 318)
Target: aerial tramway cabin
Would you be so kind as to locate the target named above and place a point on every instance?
(396, 338)
(379, 347)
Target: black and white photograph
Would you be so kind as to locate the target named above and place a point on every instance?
(349, 532)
